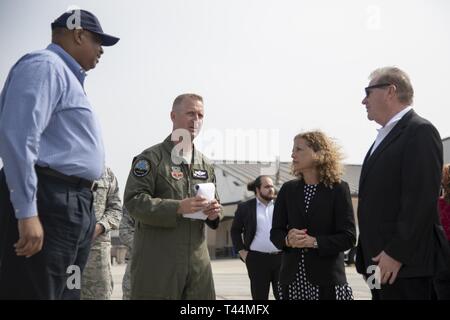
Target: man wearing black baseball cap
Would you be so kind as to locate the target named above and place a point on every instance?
(83, 19)
(80, 34)
(52, 151)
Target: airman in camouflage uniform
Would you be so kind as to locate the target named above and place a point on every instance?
(126, 235)
(170, 258)
(96, 281)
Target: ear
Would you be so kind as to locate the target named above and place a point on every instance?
(172, 115)
(392, 91)
(78, 36)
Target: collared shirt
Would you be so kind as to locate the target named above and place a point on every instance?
(261, 242)
(46, 119)
(384, 131)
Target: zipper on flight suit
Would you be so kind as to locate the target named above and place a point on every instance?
(187, 170)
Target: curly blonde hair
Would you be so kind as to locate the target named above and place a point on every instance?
(329, 157)
(446, 182)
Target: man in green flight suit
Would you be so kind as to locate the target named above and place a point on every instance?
(170, 258)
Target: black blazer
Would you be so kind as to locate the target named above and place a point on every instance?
(244, 224)
(398, 196)
(330, 219)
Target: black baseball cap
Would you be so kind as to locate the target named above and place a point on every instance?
(86, 20)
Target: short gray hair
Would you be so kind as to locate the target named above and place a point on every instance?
(397, 77)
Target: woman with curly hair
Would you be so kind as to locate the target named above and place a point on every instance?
(442, 280)
(313, 223)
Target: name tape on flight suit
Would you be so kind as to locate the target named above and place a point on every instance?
(200, 174)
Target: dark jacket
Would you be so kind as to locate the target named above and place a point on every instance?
(330, 219)
(243, 229)
(398, 197)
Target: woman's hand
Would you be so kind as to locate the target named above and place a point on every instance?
(300, 239)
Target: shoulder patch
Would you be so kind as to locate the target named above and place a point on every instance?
(141, 168)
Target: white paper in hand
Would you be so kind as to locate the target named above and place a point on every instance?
(206, 190)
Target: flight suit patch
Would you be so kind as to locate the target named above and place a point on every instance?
(200, 174)
(176, 173)
(141, 168)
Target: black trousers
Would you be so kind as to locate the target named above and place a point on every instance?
(441, 284)
(263, 270)
(405, 289)
(67, 217)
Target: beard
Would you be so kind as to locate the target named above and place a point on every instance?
(267, 198)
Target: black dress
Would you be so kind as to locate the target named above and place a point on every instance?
(301, 288)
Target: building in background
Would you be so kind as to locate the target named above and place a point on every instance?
(446, 144)
(232, 178)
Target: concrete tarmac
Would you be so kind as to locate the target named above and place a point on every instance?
(232, 282)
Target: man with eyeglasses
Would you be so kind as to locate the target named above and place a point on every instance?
(52, 151)
(399, 186)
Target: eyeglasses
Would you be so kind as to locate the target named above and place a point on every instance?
(380, 85)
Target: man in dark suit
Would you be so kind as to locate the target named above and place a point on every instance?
(250, 234)
(398, 192)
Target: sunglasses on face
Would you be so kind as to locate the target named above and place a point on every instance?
(380, 85)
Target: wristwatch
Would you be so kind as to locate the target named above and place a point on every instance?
(315, 245)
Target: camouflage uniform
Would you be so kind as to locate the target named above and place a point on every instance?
(170, 258)
(126, 234)
(96, 281)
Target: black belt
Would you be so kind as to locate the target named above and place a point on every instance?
(78, 182)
